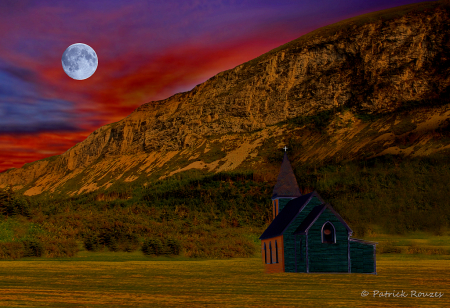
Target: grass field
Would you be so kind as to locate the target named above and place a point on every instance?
(131, 280)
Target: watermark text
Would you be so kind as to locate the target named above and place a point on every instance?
(402, 293)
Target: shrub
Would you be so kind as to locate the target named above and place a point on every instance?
(92, 243)
(152, 247)
(131, 242)
(110, 239)
(11, 205)
(359, 230)
(113, 245)
(387, 247)
(11, 250)
(173, 247)
(60, 247)
(113, 240)
(32, 248)
(107, 238)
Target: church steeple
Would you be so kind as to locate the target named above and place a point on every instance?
(286, 187)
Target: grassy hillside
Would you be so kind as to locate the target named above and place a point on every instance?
(222, 215)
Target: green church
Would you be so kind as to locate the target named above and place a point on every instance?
(307, 235)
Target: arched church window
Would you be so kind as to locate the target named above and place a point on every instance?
(276, 252)
(270, 251)
(328, 233)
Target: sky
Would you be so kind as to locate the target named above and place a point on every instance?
(147, 50)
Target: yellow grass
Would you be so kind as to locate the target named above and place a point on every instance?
(216, 283)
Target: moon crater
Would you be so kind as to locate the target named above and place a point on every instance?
(79, 61)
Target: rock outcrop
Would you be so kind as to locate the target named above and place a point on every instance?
(375, 64)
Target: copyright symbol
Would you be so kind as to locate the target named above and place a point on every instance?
(364, 293)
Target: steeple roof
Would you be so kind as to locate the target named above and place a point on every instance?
(286, 185)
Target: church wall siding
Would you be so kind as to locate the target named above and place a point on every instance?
(300, 252)
(289, 237)
(274, 267)
(362, 257)
(324, 257)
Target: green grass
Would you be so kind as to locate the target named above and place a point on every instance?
(215, 283)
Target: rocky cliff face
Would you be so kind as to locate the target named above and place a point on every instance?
(376, 64)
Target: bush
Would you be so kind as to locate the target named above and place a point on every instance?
(387, 247)
(33, 248)
(359, 231)
(11, 250)
(108, 238)
(113, 245)
(60, 247)
(92, 243)
(131, 242)
(11, 205)
(173, 247)
(153, 247)
(113, 240)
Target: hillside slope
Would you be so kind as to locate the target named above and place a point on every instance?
(367, 86)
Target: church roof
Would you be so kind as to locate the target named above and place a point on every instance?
(314, 214)
(311, 218)
(286, 185)
(289, 212)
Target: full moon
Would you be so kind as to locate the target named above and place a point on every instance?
(79, 61)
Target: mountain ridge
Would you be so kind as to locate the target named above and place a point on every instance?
(391, 64)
